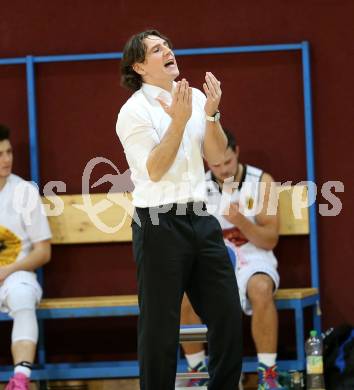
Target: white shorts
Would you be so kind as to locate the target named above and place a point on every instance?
(245, 268)
(13, 281)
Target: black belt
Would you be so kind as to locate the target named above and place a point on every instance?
(172, 208)
(190, 207)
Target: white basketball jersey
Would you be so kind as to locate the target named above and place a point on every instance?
(248, 194)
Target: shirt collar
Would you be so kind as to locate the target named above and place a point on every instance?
(153, 91)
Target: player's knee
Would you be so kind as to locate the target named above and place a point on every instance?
(22, 297)
(260, 289)
(25, 326)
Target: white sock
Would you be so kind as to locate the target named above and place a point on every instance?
(267, 358)
(194, 359)
(23, 370)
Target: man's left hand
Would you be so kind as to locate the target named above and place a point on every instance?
(213, 92)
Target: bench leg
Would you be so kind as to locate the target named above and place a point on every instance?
(40, 346)
(43, 384)
(300, 340)
(316, 315)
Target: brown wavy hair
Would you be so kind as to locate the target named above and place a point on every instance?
(135, 51)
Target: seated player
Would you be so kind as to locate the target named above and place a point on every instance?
(24, 247)
(250, 228)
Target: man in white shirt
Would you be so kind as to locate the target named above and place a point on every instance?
(24, 247)
(251, 232)
(165, 129)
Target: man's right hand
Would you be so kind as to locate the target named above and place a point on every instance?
(163, 154)
(233, 214)
(180, 109)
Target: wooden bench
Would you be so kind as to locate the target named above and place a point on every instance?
(74, 226)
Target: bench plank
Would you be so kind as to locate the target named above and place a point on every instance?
(79, 222)
(291, 201)
(85, 302)
(295, 293)
(132, 300)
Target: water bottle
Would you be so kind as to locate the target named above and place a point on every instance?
(314, 362)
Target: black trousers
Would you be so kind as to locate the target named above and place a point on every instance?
(185, 253)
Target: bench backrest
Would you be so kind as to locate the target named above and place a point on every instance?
(76, 226)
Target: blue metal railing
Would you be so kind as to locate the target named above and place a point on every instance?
(30, 62)
(310, 161)
(178, 52)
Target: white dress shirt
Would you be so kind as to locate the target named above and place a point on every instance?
(141, 125)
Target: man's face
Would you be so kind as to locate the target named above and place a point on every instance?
(5, 158)
(160, 66)
(228, 166)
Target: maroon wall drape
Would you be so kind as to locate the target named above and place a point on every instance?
(262, 104)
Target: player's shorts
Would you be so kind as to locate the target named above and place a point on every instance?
(246, 268)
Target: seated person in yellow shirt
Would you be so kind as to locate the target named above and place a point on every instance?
(24, 247)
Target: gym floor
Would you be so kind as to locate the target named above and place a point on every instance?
(250, 383)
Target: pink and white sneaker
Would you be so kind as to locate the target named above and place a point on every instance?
(18, 382)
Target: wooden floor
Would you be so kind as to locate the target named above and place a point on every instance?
(109, 384)
(250, 383)
(122, 384)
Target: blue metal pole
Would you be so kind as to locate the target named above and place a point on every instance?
(78, 57)
(32, 120)
(300, 337)
(32, 125)
(178, 52)
(34, 164)
(310, 162)
(12, 61)
(237, 49)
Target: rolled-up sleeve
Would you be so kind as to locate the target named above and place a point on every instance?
(138, 138)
